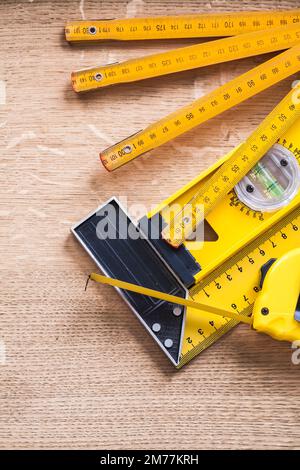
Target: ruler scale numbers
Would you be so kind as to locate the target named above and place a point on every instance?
(178, 60)
(203, 109)
(173, 27)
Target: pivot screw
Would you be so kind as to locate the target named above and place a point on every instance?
(284, 162)
(98, 77)
(250, 188)
(265, 311)
(92, 29)
(127, 149)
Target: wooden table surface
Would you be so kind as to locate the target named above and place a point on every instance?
(77, 370)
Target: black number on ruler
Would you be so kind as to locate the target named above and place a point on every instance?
(282, 117)
(235, 168)
(189, 116)
(273, 244)
(207, 295)
(160, 27)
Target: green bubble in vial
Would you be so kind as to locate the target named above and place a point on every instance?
(272, 188)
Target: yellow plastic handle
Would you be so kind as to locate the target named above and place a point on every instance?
(275, 307)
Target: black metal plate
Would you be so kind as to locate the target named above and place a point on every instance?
(135, 260)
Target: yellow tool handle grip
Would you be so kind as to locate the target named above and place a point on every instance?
(275, 306)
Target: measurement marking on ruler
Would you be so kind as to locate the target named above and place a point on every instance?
(186, 58)
(186, 26)
(210, 105)
(291, 224)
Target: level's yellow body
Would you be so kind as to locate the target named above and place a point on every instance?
(230, 274)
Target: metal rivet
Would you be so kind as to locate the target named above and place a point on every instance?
(156, 327)
(168, 343)
(265, 311)
(250, 188)
(92, 30)
(177, 311)
(98, 77)
(284, 162)
(127, 149)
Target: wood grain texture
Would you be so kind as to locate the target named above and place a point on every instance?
(80, 372)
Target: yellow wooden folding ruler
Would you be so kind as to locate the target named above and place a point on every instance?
(172, 27)
(269, 31)
(250, 203)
